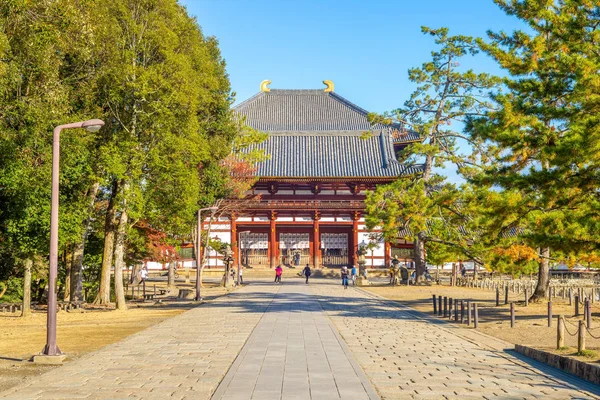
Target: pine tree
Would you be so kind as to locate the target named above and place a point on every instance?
(541, 130)
(446, 97)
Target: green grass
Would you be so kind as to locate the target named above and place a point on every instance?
(588, 353)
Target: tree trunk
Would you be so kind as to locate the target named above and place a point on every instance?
(171, 276)
(4, 289)
(420, 262)
(120, 254)
(78, 251)
(26, 309)
(134, 279)
(68, 257)
(543, 285)
(103, 296)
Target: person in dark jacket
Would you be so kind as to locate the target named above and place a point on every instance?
(306, 272)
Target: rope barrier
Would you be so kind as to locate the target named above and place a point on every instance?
(590, 333)
(565, 325)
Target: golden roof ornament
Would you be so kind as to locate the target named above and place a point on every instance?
(329, 84)
(264, 86)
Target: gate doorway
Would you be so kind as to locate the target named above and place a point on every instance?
(334, 249)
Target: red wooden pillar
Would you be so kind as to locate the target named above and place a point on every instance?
(273, 240)
(388, 254)
(234, 239)
(316, 241)
(355, 219)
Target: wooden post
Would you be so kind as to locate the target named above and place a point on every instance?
(570, 296)
(576, 305)
(549, 314)
(581, 337)
(588, 312)
(497, 296)
(476, 316)
(506, 295)
(455, 310)
(560, 333)
(512, 315)
(445, 307)
(440, 306)
(434, 305)
(462, 311)
(155, 289)
(450, 308)
(468, 312)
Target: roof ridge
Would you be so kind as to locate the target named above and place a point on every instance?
(248, 101)
(349, 103)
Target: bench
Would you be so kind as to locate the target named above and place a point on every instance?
(11, 307)
(70, 305)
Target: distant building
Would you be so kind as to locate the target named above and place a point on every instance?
(312, 187)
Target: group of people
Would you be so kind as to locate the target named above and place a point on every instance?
(306, 272)
(348, 275)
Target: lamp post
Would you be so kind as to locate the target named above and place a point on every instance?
(240, 258)
(51, 350)
(227, 259)
(362, 275)
(200, 258)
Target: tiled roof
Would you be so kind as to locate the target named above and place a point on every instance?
(305, 155)
(310, 110)
(313, 133)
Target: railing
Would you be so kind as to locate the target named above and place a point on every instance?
(258, 259)
(335, 260)
(310, 204)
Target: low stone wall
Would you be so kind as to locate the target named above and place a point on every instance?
(589, 372)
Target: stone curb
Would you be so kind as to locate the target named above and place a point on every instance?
(587, 371)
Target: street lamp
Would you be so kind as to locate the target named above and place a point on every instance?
(51, 349)
(240, 253)
(200, 259)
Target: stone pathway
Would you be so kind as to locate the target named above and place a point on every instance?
(183, 357)
(406, 357)
(295, 353)
(270, 341)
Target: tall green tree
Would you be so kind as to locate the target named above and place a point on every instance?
(165, 96)
(542, 130)
(446, 96)
(36, 45)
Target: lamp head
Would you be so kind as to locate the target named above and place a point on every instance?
(93, 125)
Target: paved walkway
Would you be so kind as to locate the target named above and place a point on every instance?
(275, 341)
(183, 357)
(295, 353)
(407, 357)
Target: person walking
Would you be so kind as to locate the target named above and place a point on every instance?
(278, 273)
(306, 272)
(353, 275)
(345, 277)
(241, 273)
(391, 272)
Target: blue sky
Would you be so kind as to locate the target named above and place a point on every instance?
(364, 47)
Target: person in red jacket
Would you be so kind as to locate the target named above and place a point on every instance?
(278, 272)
